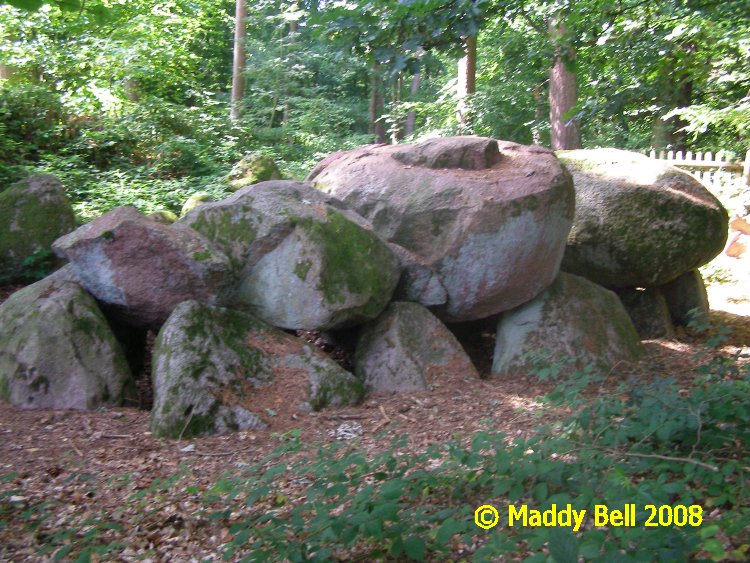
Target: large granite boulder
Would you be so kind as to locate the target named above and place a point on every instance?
(33, 213)
(490, 217)
(142, 269)
(649, 312)
(639, 222)
(305, 261)
(687, 298)
(419, 281)
(408, 349)
(573, 319)
(57, 350)
(215, 370)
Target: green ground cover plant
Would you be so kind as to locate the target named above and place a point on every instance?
(641, 441)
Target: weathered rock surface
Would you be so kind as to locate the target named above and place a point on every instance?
(57, 350)
(216, 370)
(574, 318)
(649, 312)
(686, 296)
(639, 222)
(253, 169)
(408, 349)
(33, 213)
(305, 261)
(142, 269)
(419, 282)
(490, 217)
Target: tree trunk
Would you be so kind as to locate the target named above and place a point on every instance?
(293, 28)
(238, 65)
(376, 105)
(6, 72)
(467, 71)
(131, 88)
(565, 132)
(536, 136)
(411, 117)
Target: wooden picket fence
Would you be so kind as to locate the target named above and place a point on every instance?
(715, 170)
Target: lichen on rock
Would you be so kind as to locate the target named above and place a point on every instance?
(216, 370)
(57, 349)
(33, 213)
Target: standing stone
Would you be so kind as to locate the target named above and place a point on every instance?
(639, 222)
(408, 349)
(686, 296)
(142, 269)
(648, 310)
(490, 217)
(573, 319)
(214, 369)
(33, 213)
(57, 350)
(305, 261)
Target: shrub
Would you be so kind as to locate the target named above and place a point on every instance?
(32, 121)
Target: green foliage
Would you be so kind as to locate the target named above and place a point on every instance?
(39, 264)
(32, 119)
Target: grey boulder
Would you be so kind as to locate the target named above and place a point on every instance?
(649, 312)
(57, 350)
(686, 298)
(575, 322)
(217, 370)
(408, 349)
(142, 269)
(639, 222)
(305, 261)
(33, 213)
(490, 217)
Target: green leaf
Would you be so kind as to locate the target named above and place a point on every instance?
(563, 545)
(30, 5)
(414, 548)
(447, 529)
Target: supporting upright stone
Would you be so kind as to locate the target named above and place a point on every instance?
(649, 312)
(686, 296)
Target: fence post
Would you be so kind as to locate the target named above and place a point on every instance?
(746, 169)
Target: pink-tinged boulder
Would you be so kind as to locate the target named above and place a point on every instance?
(489, 217)
(142, 269)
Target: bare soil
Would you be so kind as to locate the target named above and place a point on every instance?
(94, 462)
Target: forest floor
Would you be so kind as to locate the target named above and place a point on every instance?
(93, 463)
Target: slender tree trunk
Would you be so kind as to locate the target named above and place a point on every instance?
(376, 105)
(467, 72)
(293, 28)
(563, 96)
(131, 88)
(411, 117)
(238, 65)
(395, 131)
(6, 72)
(536, 136)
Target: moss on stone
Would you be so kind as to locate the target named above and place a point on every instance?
(29, 222)
(302, 269)
(354, 262)
(202, 255)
